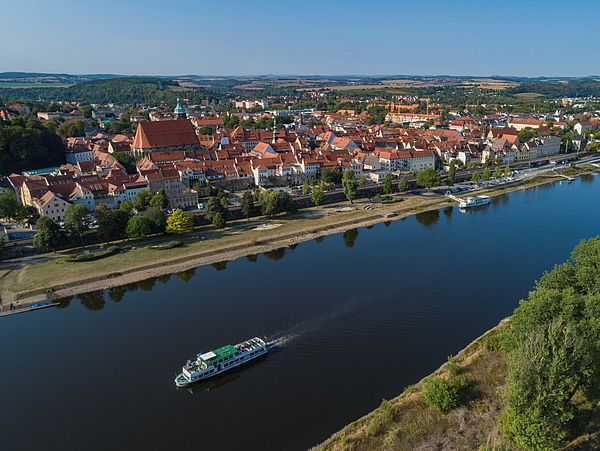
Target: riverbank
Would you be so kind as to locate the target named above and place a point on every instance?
(54, 278)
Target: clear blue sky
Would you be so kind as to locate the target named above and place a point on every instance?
(326, 37)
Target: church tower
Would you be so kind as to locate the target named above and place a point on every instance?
(179, 111)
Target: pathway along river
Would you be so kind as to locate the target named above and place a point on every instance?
(357, 318)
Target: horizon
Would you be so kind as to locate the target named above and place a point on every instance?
(466, 38)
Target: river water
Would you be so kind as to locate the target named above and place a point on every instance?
(356, 316)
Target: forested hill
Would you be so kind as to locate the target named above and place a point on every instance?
(149, 91)
(558, 89)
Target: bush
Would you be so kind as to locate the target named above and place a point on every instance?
(440, 394)
(170, 245)
(452, 366)
(89, 257)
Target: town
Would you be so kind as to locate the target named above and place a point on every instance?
(122, 156)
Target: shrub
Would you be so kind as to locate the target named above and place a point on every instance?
(381, 419)
(440, 394)
(171, 245)
(89, 257)
(452, 366)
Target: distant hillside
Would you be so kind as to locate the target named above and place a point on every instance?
(115, 90)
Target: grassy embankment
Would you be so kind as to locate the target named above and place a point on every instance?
(216, 245)
(34, 279)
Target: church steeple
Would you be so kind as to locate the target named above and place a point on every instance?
(180, 111)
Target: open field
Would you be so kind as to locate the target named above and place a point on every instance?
(12, 84)
(528, 95)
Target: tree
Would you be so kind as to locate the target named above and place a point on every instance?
(159, 200)
(318, 196)
(205, 130)
(306, 188)
(403, 185)
(526, 135)
(428, 178)
(9, 206)
(218, 221)
(362, 181)
(487, 174)
(77, 222)
(3, 245)
(476, 177)
(119, 219)
(157, 220)
(126, 206)
(144, 197)
(48, 234)
(387, 184)
(287, 204)
(214, 206)
(349, 186)
(180, 222)
(348, 175)
(209, 188)
(247, 204)
(105, 222)
(507, 171)
(553, 345)
(269, 201)
(498, 172)
(592, 147)
(138, 227)
(451, 173)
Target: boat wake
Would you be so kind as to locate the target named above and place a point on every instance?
(285, 340)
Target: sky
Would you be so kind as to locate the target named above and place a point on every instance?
(525, 38)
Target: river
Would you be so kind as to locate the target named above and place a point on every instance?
(356, 318)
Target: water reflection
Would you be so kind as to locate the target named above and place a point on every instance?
(211, 384)
(275, 254)
(387, 223)
(146, 285)
(164, 278)
(349, 237)
(187, 275)
(293, 246)
(219, 266)
(428, 218)
(448, 211)
(252, 258)
(116, 294)
(319, 239)
(369, 227)
(64, 302)
(587, 178)
(92, 301)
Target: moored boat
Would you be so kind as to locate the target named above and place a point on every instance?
(474, 201)
(220, 360)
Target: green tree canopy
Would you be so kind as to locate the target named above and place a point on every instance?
(159, 200)
(138, 227)
(387, 184)
(48, 236)
(476, 177)
(487, 174)
(498, 172)
(269, 201)
(218, 220)
(349, 186)
(553, 344)
(317, 195)
(247, 204)
(428, 178)
(214, 206)
(403, 185)
(9, 206)
(77, 222)
(507, 171)
(157, 220)
(143, 199)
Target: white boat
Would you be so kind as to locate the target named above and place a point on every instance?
(220, 360)
(474, 201)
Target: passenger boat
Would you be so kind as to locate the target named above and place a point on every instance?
(474, 201)
(220, 360)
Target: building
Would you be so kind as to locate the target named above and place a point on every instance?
(164, 135)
